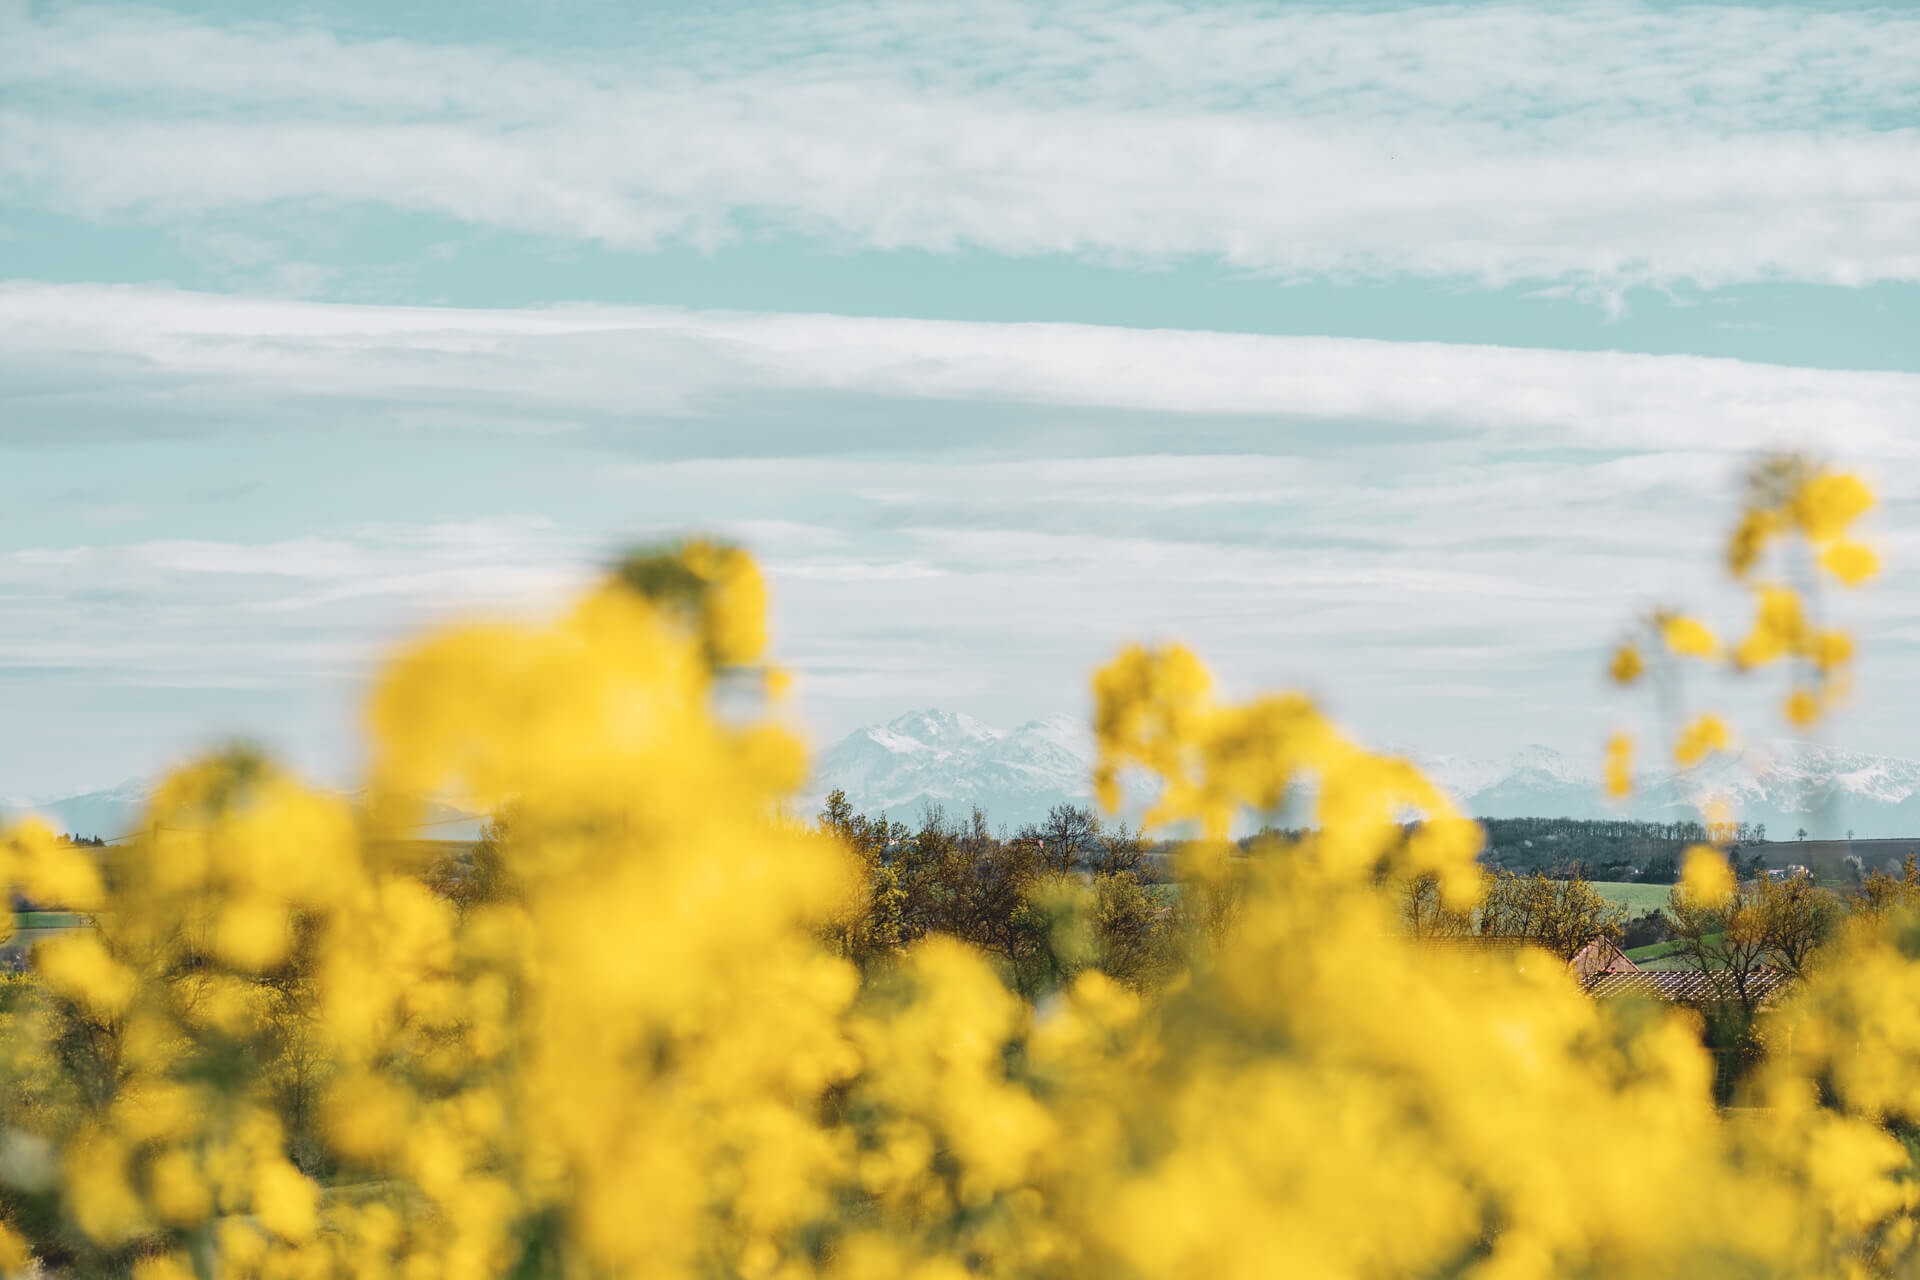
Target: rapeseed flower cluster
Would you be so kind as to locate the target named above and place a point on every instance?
(1795, 531)
(617, 1038)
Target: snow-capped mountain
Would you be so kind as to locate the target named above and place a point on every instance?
(956, 761)
(1789, 785)
(1784, 785)
(1534, 782)
(952, 760)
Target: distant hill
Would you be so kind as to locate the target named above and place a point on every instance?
(109, 813)
(117, 810)
(1827, 859)
(954, 760)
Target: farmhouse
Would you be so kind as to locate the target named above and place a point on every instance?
(1600, 957)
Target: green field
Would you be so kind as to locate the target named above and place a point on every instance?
(1637, 898)
(1658, 951)
(45, 920)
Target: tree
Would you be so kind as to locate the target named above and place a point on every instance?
(1663, 869)
(1120, 849)
(1045, 903)
(1132, 942)
(1646, 929)
(1727, 943)
(1882, 893)
(1424, 914)
(1797, 917)
(1763, 924)
(1560, 915)
(1067, 836)
(872, 927)
(1801, 834)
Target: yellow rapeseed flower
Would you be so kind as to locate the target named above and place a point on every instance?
(1830, 502)
(1705, 876)
(1627, 665)
(1779, 628)
(620, 1035)
(1687, 637)
(1850, 562)
(1705, 735)
(15, 1256)
(1619, 766)
(164, 1266)
(78, 966)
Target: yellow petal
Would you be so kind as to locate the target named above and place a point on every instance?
(1688, 637)
(1850, 562)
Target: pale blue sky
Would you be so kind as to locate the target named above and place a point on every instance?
(1395, 352)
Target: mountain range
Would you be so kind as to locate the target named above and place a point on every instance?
(950, 759)
(955, 761)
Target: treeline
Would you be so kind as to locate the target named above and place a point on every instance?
(1052, 898)
(1596, 848)
(1607, 848)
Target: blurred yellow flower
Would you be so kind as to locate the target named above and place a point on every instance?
(1705, 876)
(1687, 637)
(1829, 503)
(1850, 562)
(1627, 665)
(1619, 766)
(1704, 736)
(620, 1035)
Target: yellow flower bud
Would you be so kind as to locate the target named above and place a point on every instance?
(1627, 665)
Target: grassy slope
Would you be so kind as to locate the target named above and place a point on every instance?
(1637, 898)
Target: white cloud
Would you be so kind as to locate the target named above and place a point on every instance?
(535, 369)
(1440, 539)
(1606, 145)
(236, 613)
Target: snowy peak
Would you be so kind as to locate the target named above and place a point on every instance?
(953, 760)
(931, 730)
(1532, 766)
(1544, 761)
(1785, 785)
(1060, 740)
(1828, 790)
